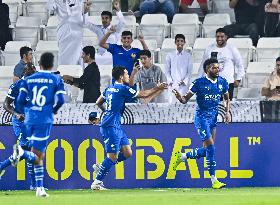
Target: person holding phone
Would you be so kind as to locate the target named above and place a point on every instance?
(271, 88)
(230, 62)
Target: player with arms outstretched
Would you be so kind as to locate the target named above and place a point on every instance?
(116, 142)
(209, 90)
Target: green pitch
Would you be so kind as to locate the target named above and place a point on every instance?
(236, 196)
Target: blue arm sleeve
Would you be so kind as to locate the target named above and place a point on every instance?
(59, 103)
(23, 91)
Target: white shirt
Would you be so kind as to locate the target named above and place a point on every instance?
(178, 67)
(230, 62)
(101, 31)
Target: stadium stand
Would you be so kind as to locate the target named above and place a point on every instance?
(212, 22)
(199, 47)
(46, 46)
(15, 9)
(100, 5)
(36, 8)
(49, 33)
(6, 77)
(268, 49)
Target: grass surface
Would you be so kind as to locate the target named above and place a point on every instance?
(236, 196)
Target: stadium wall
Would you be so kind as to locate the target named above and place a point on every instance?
(247, 155)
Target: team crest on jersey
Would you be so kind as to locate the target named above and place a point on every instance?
(132, 90)
(220, 87)
(133, 55)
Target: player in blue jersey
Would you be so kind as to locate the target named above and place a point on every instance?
(11, 106)
(116, 142)
(209, 90)
(42, 94)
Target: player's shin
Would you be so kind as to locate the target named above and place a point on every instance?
(196, 153)
(105, 168)
(210, 161)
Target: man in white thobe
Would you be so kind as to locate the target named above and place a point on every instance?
(178, 68)
(71, 15)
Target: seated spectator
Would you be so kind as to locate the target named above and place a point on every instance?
(5, 34)
(186, 3)
(158, 6)
(247, 16)
(178, 68)
(272, 19)
(271, 88)
(90, 80)
(26, 55)
(147, 75)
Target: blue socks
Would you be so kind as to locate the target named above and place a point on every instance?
(105, 168)
(121, 157)
(39, 175)
(210, 159)
(196, 153)
(29, 156)
(30, 167)
(5, 163)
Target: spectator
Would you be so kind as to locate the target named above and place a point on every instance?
(123, 55)
(186, 3)
(5, 34)
(229, 58)
(154, 6)
(26, 55)
(71, 15)
(272, 19)
(247, 17)
(148, 75)
(90, 80)
(178, 68)
(271, 88)
(101, 30)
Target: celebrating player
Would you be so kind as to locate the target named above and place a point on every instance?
(116, 142)
(209, 90)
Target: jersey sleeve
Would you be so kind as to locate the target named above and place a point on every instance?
(225, 86)
(129, 92)
(23, 92)
(60, 87)
(112, 48)
(12, 93)
(194, 87)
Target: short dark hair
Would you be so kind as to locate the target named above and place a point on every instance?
(221, 30)
(180, 36)
(118, 71)
(89, 50)
(145, 53)
(126, 33)
(209, 62)
(107, 13)
(24, 51)
(46, 60)
(278, 59)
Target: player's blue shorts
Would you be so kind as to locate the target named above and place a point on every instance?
(20, 132)
(204, 125)
(114, 138)
(39, 135)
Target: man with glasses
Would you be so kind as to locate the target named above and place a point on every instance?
(178, 68)
(271, 88)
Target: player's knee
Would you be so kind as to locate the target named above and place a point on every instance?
(127, 153)
(112, 156)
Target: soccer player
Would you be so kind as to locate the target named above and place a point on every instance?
(208, 90)
(44, 90)
(116, 142)
(18, 127)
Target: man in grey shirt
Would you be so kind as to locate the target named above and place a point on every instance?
(147, 75)
(26, 55)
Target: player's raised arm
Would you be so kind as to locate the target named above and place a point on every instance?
(102, 42)
(100, 103)
(153, 91)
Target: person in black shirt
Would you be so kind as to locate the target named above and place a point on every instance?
(90, 80)
(247, 19)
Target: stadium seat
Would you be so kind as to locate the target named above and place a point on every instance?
(268, 49)
(257, 72)
(6, 77)
(249, 94)
(98, 6)
(50, 29)
(46, 46)
(15, 9)
(154, 26)
(11, 54)
(168, 45)
(212, 22)
(130, 24)
(72, 92)
(222, 6)
(187, 24)
(3, 94)
(199, 47)
(89, 37)
(245, 47)
(105, 76)
(152, 45)
(195, 71)
(36, 8)
(28, 29)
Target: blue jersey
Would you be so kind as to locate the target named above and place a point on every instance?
(123, 57)
(208, 94)
(13, 94)
(116, 95)
(39, 94)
